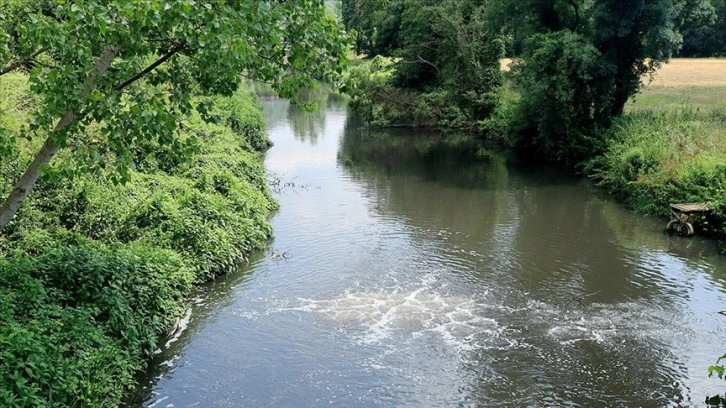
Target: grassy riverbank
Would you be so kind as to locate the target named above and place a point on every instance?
(671, 143)
(91, 273)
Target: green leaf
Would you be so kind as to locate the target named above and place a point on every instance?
(716, 369)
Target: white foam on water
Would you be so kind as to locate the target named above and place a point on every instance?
(605, 324)
(396, 314)
(181, 326)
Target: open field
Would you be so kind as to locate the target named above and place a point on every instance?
(691, 72)
(698, 83)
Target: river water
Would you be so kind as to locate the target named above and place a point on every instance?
(403, 275)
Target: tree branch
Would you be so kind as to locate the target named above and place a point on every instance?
(27, 181)
(421, 60)
(17, 64)
(576, 9)
(177, 48)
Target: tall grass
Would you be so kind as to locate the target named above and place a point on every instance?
(670, 145)
(659, 157)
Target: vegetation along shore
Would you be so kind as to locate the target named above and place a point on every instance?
(591, 85)
(131, 156)
(131, 168)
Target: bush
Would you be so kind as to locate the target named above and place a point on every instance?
(76, 321)
(556, 117)
(243, 114)
(92, 272)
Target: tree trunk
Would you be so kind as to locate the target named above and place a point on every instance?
(26, 182)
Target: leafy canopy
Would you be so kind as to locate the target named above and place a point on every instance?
(166, 51)
(581, 60)
(446, 61)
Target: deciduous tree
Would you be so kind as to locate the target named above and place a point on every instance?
(582, 61)
(131, 68)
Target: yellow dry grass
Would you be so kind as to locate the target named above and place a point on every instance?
(690, 72)
(679, 72)
(698, 83)
(504, 63)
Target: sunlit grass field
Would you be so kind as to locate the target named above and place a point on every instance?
(698, 83)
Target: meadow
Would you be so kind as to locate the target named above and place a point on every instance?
(695, 83)
(670, 145)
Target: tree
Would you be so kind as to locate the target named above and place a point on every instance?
(376, 23)
(446, 70)
(704, 35)
(592, 56)
(131, 68)
(446, 44)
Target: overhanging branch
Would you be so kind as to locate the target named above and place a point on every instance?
(17, 64)
(177, 48)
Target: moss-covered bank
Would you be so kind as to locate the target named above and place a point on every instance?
(91, 273)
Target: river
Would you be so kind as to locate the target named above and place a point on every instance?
(403, 275)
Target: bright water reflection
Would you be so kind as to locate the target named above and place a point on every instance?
(417, 278)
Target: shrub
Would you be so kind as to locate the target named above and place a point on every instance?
(557, 80)
(243, 114)
(92, 272)
(75, 321)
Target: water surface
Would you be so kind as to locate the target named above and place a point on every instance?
(404, 275)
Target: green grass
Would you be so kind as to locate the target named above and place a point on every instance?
(670, 145)
(670, 99)
(655, 158)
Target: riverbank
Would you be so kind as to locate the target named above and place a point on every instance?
(92, 272)
(667, 147)
(670, 144)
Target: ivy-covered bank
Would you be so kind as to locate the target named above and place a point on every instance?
(91, 273)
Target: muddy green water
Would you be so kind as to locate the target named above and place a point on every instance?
(404, 276)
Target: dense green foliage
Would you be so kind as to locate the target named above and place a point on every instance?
(92, 272)
(76, 320)
(441, 67)
(705, 35)
(376, 24)
(581, 62)
(132, 69)
(555, 115)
